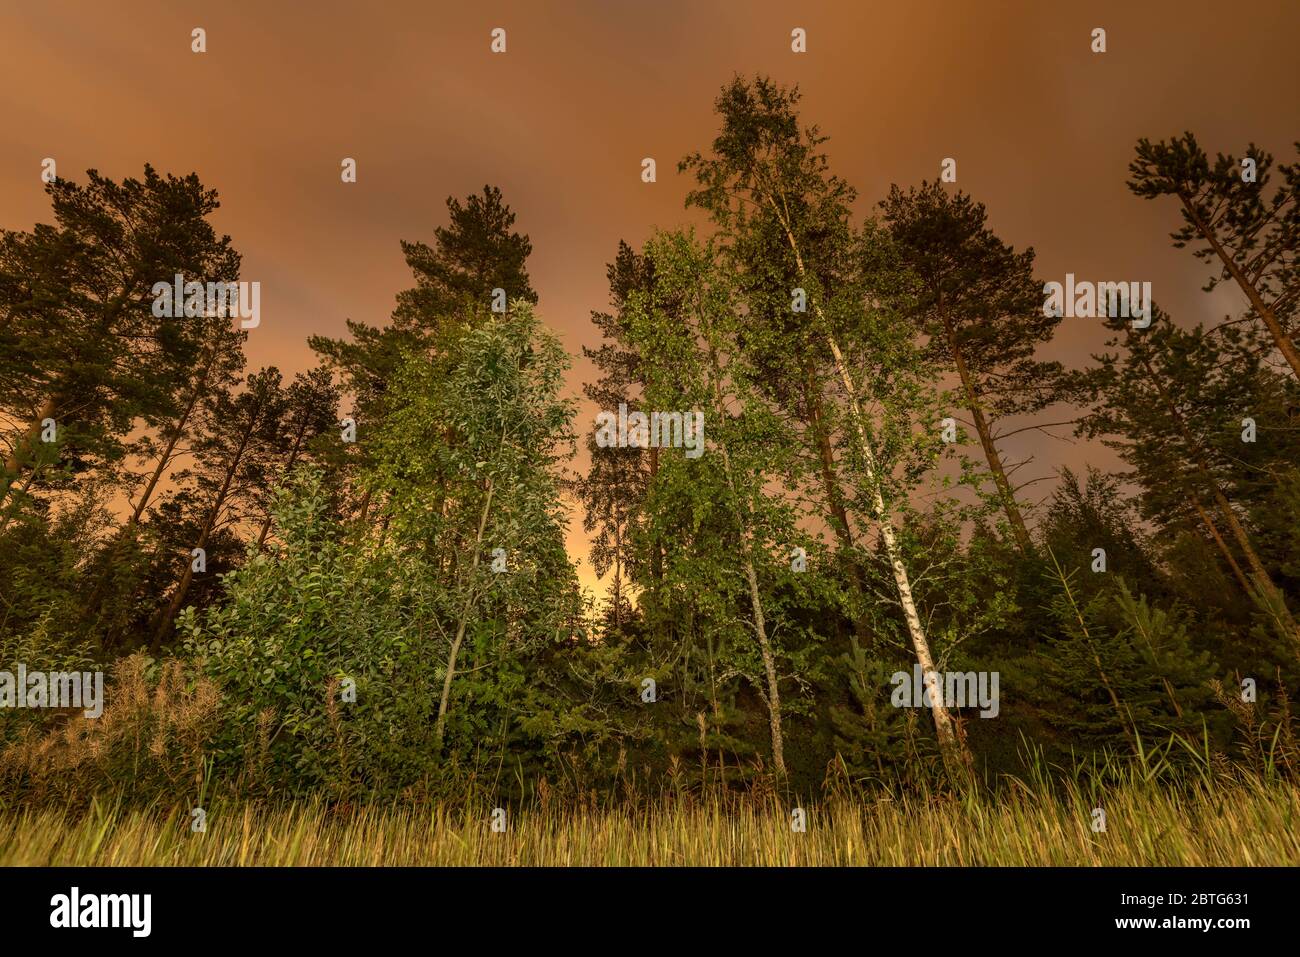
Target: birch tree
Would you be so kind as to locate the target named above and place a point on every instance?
(766, 168)
(687, 329)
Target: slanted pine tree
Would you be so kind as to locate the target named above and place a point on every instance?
(1164, 404)
(1230, 223)
(116, 569)
(236, 454)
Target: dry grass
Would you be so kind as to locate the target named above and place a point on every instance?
(1205, 824)
(152, 730)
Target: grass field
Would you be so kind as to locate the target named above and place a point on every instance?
(1202, 824)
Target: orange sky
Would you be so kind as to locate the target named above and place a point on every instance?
(1042, 129)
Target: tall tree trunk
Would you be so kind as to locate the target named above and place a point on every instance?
(773, 695)
(656, 556)
(363, 512)
(209, 523)
(1213, 529)
(1005, 492)
(618, 572)
(834, 497)
(174, 437)
(440, 725)
(129, 530)
(956, 757)
(1280, 337)
(12, 510)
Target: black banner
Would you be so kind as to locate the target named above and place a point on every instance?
(138, 906)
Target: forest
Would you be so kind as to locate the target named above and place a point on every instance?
(825, 576)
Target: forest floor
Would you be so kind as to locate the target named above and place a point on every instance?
(1250, 823)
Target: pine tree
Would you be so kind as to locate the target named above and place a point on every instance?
(613, 490)
(81, 343)
(1162, 404)
(1229, 223)
(477, 252)
(454, 280)
(980, 309)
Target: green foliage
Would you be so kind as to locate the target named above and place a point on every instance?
(1120, 671)
(398, 617)
(877, 744)
(299, 620)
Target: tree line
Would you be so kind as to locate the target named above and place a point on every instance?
(358, 578)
